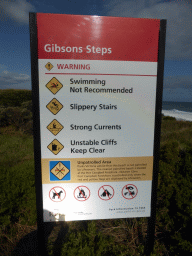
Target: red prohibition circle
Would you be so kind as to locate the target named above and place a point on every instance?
(57, 194)
(126, 186)
(80, 192)
(105, 191)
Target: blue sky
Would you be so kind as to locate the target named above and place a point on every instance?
(15, 66)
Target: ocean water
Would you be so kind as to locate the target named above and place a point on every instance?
(179, 110)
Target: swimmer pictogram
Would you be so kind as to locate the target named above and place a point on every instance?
(54, 85)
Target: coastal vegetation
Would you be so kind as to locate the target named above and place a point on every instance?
(18, 222)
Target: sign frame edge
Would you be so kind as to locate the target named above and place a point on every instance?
(41, 235)
(149, 245)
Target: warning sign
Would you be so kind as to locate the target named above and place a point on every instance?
(106, 192)
(81, 193)
(55, 127)
(57, 194)
(55, 146)
(49, 66)
(59, 170)
(129, 191)
(54, 85)
(54, 106)
(101, 122)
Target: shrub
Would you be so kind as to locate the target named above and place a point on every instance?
(3, 117)
(89, 242)
(27, 128)
(174, 206)
(27, 105)
(14, 98)
(169, 152)
(170, 118)
(18, 198)
(16, 116)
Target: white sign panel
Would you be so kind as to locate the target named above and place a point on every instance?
(97, 97)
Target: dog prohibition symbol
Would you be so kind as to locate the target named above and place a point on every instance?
(57, 194)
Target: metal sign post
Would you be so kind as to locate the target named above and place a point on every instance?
(152, 219)
(97, 93)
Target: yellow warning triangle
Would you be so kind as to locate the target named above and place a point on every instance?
(60, 170)
(49, 66)
(55, 127)
(54, 85)
(55, 146)
(54, 106)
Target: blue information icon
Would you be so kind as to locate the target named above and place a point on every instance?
(60, 170)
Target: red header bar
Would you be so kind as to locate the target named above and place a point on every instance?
(63, 36)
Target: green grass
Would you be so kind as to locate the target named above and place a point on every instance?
(181, 131)
(15, 147)
(14, 97)
(17, 200)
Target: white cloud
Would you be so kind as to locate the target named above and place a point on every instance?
(179, 22)
(5, 72)
(177, 88)
(173, 82)
(178, 94)
(128, 8)
(2, 68)
(179, 28)
(11, 79)
(16, 10)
